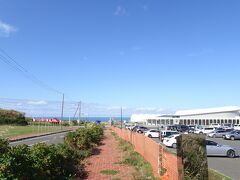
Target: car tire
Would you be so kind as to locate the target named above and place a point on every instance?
(231, 153)
(201, 133)
(150, 136)
(232, 138)
(174, 145)
(214, 136)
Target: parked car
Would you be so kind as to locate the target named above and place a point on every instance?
(218, 133)
(233, 135)
(228, 126)
(215, 125)
(236, 127)
(168, 133)
(152, 133)
(204, 130)
(140, 129)
(172, 127)
(171, 141)
(191, 129)
(215, 149)
(182, 128)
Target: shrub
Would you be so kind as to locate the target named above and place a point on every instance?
(17, 163)
(74, 122)
(54, 162)
(4, 146)
(49, 161)
(85, 138)
(192, 150)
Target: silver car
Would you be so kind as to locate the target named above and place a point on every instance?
(215, 149)
(219, 133)
(233, 135)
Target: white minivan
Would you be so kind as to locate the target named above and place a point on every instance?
(204, 130)
(236, 127)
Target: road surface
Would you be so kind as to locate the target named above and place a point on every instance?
(228, 166)
(48, 139)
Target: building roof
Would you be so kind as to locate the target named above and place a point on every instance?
(142, 117)
(208, 111)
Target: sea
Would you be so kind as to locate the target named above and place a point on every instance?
(92, 119)
(102, 119)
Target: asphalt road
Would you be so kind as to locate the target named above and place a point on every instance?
(228, 166)
(48, 139)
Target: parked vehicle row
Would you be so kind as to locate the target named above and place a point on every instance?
(224, 132)
(213, 148)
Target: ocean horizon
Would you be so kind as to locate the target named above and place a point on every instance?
(92, 119)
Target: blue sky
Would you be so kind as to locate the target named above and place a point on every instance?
(162, 55)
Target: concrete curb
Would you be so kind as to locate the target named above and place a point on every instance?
(30, 137)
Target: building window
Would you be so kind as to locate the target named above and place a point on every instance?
(207, 122)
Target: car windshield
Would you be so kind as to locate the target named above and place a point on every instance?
(173, 135)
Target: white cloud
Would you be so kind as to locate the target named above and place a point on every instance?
(19, 104)
(37, 102)
(6, 29)
(120, 11)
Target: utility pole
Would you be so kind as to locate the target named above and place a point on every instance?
(62, 110)
(79, 112)
(121, 118)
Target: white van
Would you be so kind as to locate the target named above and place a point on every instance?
(205, 130)
(215, 125)
(236, 127)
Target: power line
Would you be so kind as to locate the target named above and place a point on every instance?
(17, 67)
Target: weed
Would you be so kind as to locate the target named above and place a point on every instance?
(109, 172)
(143, 168)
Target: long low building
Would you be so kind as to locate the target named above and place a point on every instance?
(207, 116)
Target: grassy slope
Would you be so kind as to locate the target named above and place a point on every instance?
(7, 131)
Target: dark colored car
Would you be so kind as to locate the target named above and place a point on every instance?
(182, 128)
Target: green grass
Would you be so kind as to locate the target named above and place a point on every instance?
(109, 172)
(215, 175)
(8, 131)
(143, 168)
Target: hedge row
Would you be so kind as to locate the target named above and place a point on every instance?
(44, 161)
(12, 117)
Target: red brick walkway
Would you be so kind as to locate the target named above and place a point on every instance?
(108, 157)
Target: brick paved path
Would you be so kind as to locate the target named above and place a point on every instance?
(108, 157)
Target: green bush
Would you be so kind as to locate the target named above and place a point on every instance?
(44, 161)
(41, 162)
(4, 147)
(192, 150)
(54, 161)
(17, 163)
(85, 138)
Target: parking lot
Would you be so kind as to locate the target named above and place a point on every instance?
(228, 166)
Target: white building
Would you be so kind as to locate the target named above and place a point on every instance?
(191, 117)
